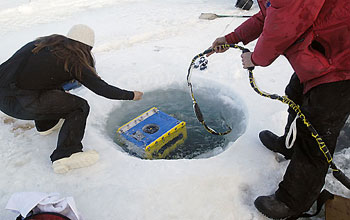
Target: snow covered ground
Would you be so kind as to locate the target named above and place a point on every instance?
(147, 45)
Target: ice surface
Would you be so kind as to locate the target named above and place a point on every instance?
(147, 45)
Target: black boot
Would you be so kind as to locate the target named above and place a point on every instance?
(275, 143)
(271, 207)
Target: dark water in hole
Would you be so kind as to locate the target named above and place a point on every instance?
(218, 111)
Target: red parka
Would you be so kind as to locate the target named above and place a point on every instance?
(289, 28)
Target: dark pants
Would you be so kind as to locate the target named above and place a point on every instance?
(327, 107)
(294, 91)
(46, 108)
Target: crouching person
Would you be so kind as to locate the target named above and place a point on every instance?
(31, 89)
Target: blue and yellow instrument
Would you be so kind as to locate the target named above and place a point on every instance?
(154, 134)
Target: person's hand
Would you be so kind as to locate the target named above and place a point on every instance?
(137, 95)
(216, 46)
(247, 60)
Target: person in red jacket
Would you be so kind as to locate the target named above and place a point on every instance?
(314, 36)
(31, 89)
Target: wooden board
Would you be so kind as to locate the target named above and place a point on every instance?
(338, 208)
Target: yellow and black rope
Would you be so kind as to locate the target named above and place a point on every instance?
(196, 108)
(338, 174)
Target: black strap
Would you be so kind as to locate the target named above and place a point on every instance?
(340, 176)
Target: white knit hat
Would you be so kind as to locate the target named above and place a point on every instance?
(83, 34)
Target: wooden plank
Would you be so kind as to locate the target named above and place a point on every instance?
(338, 208)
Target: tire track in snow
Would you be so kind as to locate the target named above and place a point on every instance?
(145, 37)
(33, 12)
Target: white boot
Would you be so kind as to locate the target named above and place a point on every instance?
(76, 160)
(54, 128)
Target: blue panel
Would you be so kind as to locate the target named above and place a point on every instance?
(71, 85)
(164, 121)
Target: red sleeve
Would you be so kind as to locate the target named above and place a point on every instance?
(285, 22)
(232, 38)
(250, 29)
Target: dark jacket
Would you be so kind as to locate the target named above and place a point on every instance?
(43, 71)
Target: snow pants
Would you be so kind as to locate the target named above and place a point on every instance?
(327, 107)
(46, 108)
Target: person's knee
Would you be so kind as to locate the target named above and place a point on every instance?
(84, 107)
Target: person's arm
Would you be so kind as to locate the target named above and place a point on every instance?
(285, 22)
(246, 32)
(100, 87)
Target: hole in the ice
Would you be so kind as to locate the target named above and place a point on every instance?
(219, 110)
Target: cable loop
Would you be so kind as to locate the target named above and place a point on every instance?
(338, 174)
